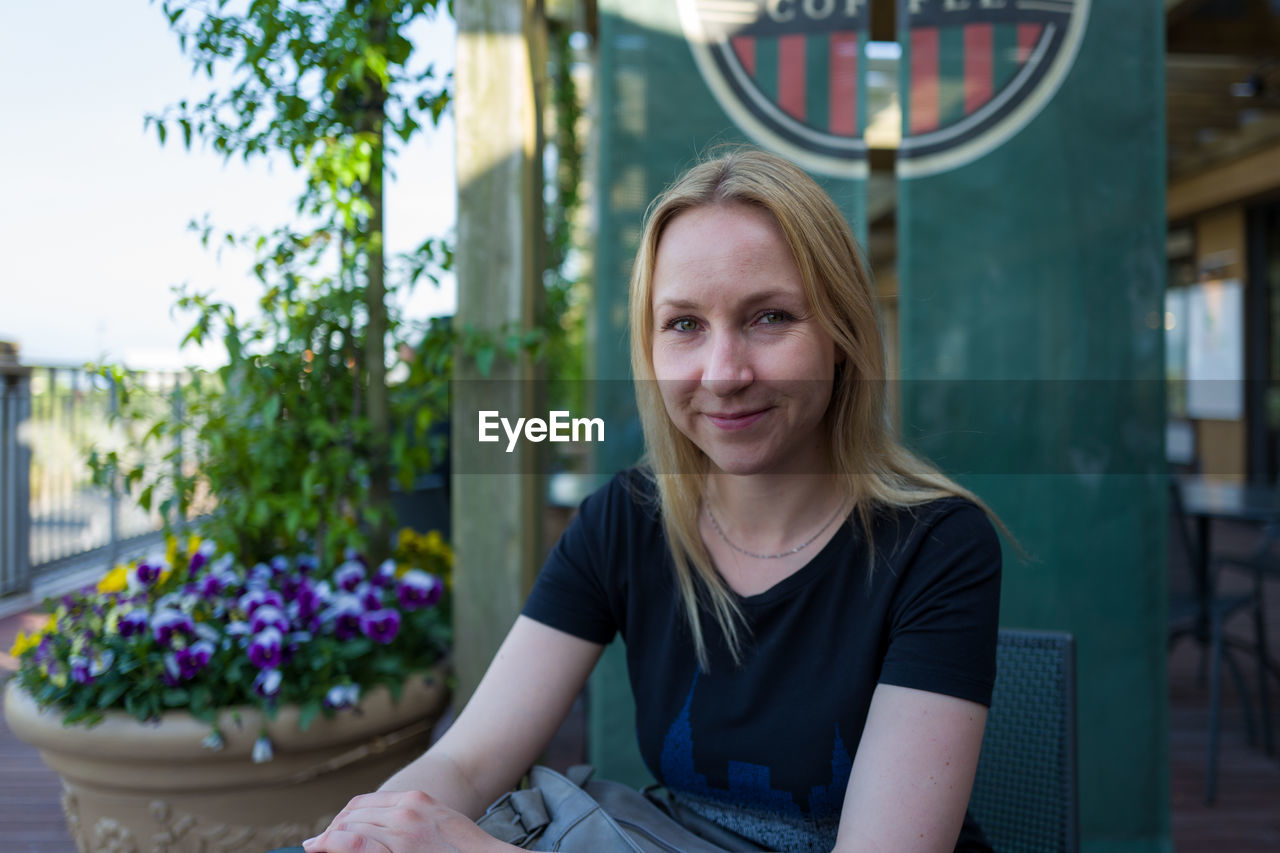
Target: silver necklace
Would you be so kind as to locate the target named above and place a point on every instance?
(805, 544)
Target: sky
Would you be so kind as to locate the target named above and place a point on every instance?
(94, 229)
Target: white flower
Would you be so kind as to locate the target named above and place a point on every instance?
(342, 695)
(262, 752)
(213, 741)
(268, 682)
(101, 663)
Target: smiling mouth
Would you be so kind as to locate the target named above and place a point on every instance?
(733, 421)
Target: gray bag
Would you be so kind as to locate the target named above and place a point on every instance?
(576, 815)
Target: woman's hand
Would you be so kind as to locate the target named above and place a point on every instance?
(402, 822)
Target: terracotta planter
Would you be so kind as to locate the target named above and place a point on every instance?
(131, 787)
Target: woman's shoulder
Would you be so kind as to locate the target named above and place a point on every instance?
(626, 498)
(946, 524)
(630, 486)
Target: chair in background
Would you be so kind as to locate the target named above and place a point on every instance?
(1198, 611)
(1024, 795)
(1262, 567)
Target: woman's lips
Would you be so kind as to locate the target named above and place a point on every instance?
(733, 421)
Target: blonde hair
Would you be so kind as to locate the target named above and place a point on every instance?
(871, 466)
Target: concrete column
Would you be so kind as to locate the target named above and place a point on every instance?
(496, 507)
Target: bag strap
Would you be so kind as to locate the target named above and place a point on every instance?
(517, 817)
(580, 774)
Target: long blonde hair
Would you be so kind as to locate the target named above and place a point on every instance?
(871, 466)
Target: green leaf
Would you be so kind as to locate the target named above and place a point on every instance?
(484, 358)
(111, 693)
(308, 713)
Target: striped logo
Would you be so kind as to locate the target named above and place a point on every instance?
(977, 71)
(788, 73)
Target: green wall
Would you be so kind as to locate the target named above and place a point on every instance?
(1031, 287)
(1029, 280)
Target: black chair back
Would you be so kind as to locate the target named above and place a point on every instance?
(1024, 795)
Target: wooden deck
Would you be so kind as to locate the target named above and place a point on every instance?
(1246, 817)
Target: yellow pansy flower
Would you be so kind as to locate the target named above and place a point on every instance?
(116, 580)
(24, 641)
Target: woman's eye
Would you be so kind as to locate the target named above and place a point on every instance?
(770, 318)
(682, 324)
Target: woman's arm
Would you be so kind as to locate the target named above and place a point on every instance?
(912, 774)
(431, 804)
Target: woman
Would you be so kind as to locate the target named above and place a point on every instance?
(809, 610)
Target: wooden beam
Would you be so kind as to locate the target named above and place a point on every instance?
(1250, 176)
(495, 496)
(1176, 10)
(1253, 30)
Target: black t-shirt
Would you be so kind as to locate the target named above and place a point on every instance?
(766, 749)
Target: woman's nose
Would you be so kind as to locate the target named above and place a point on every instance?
(728, 367)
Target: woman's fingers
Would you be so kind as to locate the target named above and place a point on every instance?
(394, 822)
(341, 841)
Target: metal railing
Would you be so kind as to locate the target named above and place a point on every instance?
(51, 510)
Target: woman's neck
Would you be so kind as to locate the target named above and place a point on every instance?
(771, 513)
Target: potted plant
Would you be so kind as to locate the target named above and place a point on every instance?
(192, 702)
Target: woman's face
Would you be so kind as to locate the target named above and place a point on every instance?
(744, 367)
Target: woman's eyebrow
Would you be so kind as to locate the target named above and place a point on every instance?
(678, 304)
(748, 299)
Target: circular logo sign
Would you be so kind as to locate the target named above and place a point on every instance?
(791, 74)
(977, 71)
(788, 73)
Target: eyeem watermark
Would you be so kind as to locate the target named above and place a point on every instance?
(558, 427)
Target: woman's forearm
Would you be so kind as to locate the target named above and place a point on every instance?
(438, 775)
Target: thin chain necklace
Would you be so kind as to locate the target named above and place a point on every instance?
(805, 544)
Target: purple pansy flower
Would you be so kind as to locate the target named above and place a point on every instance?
(381, 626)
(370, 596)
(266, 650)
(345, 613)
(349, 575)
(306, 601)
(268, 615)
(418, 589)
(190, 661)
(211, 585)
(80, 669)
(146, 573)
(260, 576)
(306, 564)
(385, 575)
(255, 598)
(169, 621)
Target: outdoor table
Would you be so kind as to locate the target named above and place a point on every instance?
(1205, 499)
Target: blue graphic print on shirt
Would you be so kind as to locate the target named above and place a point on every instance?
(750, 784)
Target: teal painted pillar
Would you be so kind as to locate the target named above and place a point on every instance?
(673, 84)
(1031, 269)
